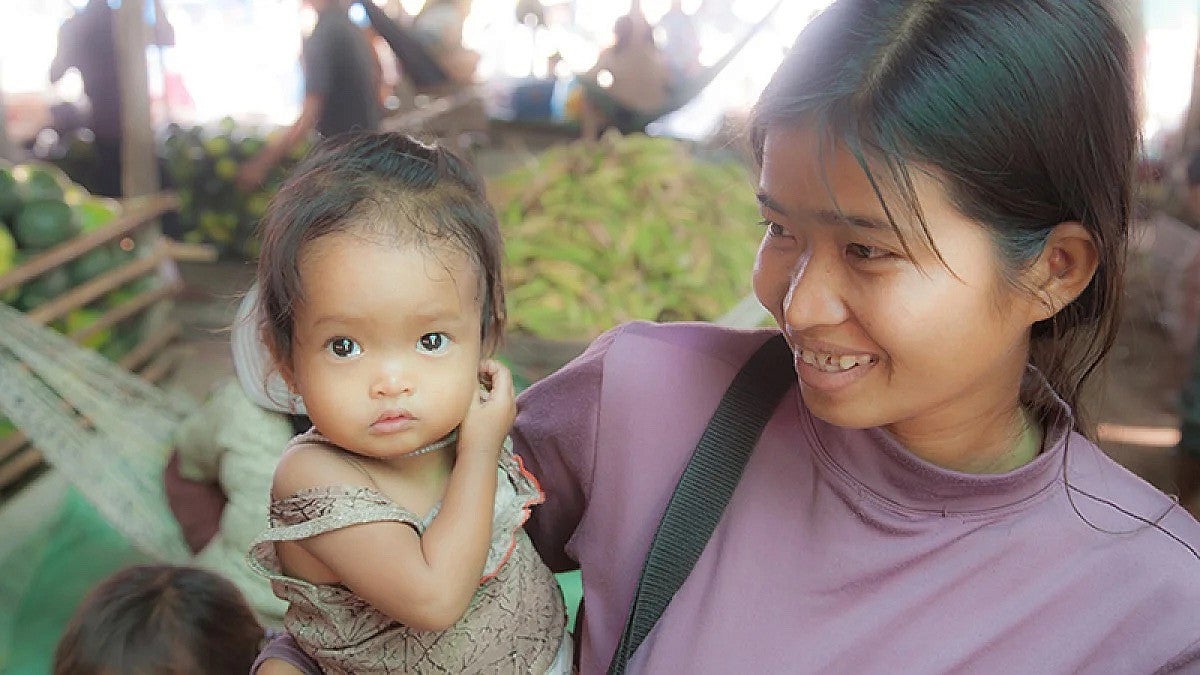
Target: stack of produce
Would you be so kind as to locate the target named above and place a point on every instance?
(40, 208)
(201, 164)
(633, 227)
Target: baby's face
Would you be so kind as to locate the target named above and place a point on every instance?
(386, 344)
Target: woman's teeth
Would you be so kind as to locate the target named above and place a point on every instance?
(833, 363)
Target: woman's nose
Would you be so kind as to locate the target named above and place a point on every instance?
(814, 296)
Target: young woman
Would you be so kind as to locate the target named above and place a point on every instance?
(945, 199)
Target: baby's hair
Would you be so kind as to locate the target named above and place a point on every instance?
(396, 187)
(160, 619)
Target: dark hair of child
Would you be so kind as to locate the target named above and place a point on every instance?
(160, 620)
(384, 183)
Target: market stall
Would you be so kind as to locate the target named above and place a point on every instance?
(93, 269)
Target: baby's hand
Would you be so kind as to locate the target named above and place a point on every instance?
(491, 414)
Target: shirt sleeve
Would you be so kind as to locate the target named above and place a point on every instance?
(555, 435)
(284, 648)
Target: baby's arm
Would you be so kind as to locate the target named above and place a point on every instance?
(423, 582)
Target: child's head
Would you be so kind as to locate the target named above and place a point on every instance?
(159, 620)
(380, 282)
(1014, 116)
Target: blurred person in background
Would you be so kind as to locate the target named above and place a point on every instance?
(341, 76)
(634, 76)
(439, 26)
(87, 42)
(680, 43)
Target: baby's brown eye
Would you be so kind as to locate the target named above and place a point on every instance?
(432, 342)
(343, 347)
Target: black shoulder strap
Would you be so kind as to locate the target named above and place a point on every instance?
(705, 488)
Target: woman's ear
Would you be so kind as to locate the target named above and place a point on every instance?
(1065, 267)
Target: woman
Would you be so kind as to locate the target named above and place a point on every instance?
(945, 192)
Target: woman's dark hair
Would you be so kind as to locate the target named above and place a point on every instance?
(1024, 109)
(393, 184)
(160, 620)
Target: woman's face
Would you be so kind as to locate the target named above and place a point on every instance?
(919, 346)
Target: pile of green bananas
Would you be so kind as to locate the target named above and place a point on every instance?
(201, 163)
(631, 227)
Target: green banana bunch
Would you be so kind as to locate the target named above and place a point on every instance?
(632, 227)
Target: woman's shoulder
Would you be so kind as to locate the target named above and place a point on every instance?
(686, 340)
(1107, 498)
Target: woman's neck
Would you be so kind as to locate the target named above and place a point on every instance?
(997, 443)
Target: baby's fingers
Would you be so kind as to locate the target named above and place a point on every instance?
(498, 379)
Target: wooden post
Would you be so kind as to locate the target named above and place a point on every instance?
(6, 150)
(139, 166)
(1191, 123)
(139, 159)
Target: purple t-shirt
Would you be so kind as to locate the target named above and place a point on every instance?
(841, 552)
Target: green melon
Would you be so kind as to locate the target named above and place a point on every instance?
(96, 212)
(92, 264)
(39, 181)
(10, 195)
(8, 251)
(44, 289)
(44, 223)
(8, 260)
(78, 319)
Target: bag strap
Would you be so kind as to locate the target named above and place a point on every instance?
(705, 488)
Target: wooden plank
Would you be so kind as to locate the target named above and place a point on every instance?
(15, 469)
(11, 444)
(136, 213)
(163, 364)
(125, 310)
(150, 345)
(109, 281)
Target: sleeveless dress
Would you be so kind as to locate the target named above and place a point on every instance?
(515, 623)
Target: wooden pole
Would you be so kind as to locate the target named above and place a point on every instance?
(6, 150)
(139, 166)
(1191, 124)
(139, 160)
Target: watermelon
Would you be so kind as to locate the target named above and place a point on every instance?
(93, 263)
(44, 223)
(94, 213)
(10, 195)
(44, 289)
(40, 182)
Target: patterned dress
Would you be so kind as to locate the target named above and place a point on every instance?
(515, 623)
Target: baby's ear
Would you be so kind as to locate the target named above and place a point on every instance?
(1065, 267)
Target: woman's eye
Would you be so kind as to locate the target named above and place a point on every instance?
(433, 343)
(864, 252)
(774, 229)
(343, 347)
